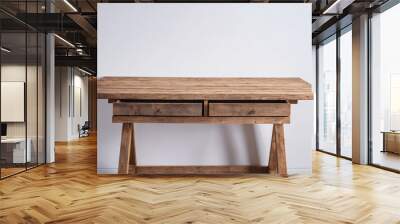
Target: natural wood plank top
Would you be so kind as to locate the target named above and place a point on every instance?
(179, 88)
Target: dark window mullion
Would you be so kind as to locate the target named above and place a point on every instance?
(338, 82)
(26, 87)
(317, 96)
(369, 90)
(37, 90)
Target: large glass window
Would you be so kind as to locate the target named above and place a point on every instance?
(346, 93)
(385, 89)
(327, 96)
(15, 150)
(22, 88)
(335, 74)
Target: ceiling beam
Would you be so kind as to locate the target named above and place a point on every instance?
(85, 25)
(82, 61)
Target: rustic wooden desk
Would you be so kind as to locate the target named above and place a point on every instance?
(202, 100)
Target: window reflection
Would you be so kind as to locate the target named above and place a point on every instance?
(22, 91)
(385, 89)
(327, 96)
(346, 94)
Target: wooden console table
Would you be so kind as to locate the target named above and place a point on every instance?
(202, 100)
(391, 141)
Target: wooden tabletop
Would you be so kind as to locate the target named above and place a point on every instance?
(179, 88)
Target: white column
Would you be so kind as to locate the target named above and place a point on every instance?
(360, 90)
(50, 99)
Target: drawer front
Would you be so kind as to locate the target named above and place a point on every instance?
(248, 109)
(158, 109)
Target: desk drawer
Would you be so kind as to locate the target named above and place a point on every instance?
(158, 108)
(248, 109)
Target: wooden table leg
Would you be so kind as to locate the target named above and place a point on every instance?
(132, 159)
(281, 151)
(126, 148)
(272, 164)
(277, 160)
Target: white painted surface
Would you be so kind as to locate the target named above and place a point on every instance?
(61, 96)
(360, 90)
(71, 100)
(214, 40)
(12, 101)
(50, 95)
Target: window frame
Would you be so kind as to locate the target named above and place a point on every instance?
(334, 37)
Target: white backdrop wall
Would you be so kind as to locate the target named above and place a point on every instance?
(214, 40)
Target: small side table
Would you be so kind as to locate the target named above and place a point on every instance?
(391, 141)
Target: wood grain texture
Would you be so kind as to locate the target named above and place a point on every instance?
(280, 149)
(126, 148)
(273, 159)
(199, 170)
(249, 109)
(70, 191)
(157, 109)
(179, 88)
(92, 105)
(201, 120)
(132, 154)
(391, 142)
(205, 108)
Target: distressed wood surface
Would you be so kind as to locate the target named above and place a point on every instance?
(242, 101)
(158, 109)
(125, 148)
(280, 149)
(199, 170)
(132, 154)
(202, 120)
(179, 88)
(273, 160)
(249, 109)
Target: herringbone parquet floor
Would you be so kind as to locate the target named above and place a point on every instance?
(69, 191)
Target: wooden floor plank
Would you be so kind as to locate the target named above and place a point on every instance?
(70, 191)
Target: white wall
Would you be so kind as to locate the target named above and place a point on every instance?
(62, 80)
(242, 40)
(81, 108)
(68, 81)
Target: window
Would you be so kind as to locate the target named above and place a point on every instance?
(394, 102)
(346, 93)
(22, 77)
(335, 74)
(385, 89)
(327, 97)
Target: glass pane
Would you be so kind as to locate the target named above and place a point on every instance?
(346, 94)
(327, 97)
(13, 87)
(386, 89)
(31, 98)
(41, 98)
